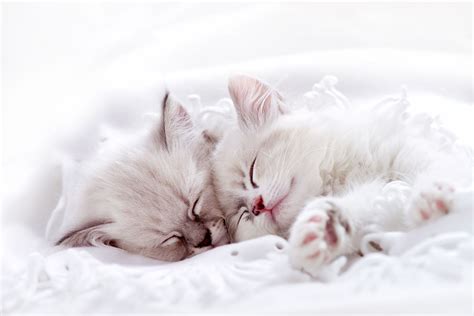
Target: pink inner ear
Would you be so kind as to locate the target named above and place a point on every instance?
(182, 117)
(181, 112)
(176, 116)
(248, 91)
(255, 102)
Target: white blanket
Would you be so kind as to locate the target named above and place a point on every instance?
(426, 270)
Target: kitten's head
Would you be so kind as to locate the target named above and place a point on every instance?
(261, 168)
(153, 196)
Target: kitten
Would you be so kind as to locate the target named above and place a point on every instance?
(152, 194)
(312, 177)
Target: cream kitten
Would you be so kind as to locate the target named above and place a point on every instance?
(312, 177)
(152, 194)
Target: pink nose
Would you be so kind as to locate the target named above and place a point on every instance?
(259, 206)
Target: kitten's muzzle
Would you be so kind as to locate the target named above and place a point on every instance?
(259, 206)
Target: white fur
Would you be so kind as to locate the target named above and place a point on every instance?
(331, 161)
(138, 192)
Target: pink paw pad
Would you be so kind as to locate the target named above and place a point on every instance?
(424, 214)
(318, 236)
(442, 206)
(434, 201)
(315, 219)
(314, 255)
(309, 238)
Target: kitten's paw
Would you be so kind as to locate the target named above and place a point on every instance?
(318, 236)
(432, 202)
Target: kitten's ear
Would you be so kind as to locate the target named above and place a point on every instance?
(92, 234)
(176, 123)
(256, 102)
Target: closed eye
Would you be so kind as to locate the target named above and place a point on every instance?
(251, 172)
(245, 216)
(171, 239)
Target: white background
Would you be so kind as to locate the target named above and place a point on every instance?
(53, 54)
(56, 57)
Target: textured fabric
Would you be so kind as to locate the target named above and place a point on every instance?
(436, 256)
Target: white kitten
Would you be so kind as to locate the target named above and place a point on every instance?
(152, 194)
(312, 177)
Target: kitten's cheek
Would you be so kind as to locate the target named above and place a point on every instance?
(242, 233)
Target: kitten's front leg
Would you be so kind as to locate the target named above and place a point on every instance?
(320, 233)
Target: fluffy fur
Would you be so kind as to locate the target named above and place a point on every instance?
(151, 194)
(313, 177)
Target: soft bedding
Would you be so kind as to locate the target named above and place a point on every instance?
(111, 73)
(428, 269)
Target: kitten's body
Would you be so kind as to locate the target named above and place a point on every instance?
(151, 193)
(315, 175)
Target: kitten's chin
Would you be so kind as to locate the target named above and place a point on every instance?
(251, 231)
(282, 219)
